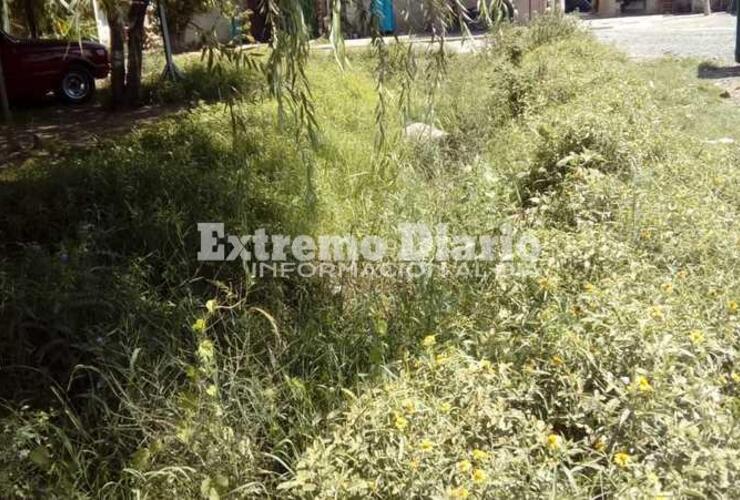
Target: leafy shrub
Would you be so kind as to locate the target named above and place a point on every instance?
(608, 369)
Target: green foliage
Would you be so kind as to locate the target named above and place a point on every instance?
(52, 18)
(608, 369)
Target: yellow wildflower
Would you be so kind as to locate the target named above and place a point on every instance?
(479, 476)
(600, 444)
(557, 360)
(441, 359)
(643, 384)
(681, 275)
(408, 406)
(480, 455)
(445, 407)
(199, 326)
(211, 306)
(464, 466)
(401, 423)
(426, 445)
(460, 492)
(735, 376)
(667, 288)
(484, 365)
(547, 284)
(622, 459)
(656, 313)
(588, 287)
(414, 463)
(696, 337)
(429, 341)
(732, 306)
(553, 441)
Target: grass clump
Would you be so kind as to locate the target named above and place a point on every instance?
(609, 368)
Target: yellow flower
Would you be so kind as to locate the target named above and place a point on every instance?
(600, 444)
(445, 407)
(429, 341)
(441, 359)
(480, 455)
(414, 463)
(426, 445)
(212, 390)
(553, 441)
(656, 313)
(408, 406)
(643, 384)
(622, 460)
(464, 466)
(696, 337)
(667, 288)
(199, 326)
(460, 492)
(681, 275)
(735, 376)
(479, 476)
(557, 360)
(588, 287)
(484, 365)
(547, 284)
(401, 423)
(206, 351)
(211, 306)
(732, 306)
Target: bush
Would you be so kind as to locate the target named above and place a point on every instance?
(608, 369)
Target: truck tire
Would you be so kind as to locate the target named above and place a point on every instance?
(76, 86)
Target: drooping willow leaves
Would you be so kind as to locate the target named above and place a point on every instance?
(284, 65)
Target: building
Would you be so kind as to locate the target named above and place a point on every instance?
(409, 16)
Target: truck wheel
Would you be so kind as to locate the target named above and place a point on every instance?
(508, 10)
(77, 85)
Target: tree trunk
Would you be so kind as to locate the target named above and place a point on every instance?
(5, 16)
(30, 11)
(707, 7)
(136, 18)
(118, 62)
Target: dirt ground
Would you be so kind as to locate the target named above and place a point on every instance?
(41, 128)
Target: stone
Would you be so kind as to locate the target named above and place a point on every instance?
(424, 132)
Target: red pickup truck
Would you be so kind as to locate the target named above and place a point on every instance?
(33, 68)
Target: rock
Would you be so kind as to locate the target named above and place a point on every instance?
(726, 94)
(424, 132)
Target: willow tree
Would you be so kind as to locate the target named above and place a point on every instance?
(290, 47)
(291, 33)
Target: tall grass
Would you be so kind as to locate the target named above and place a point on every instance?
(131, 370)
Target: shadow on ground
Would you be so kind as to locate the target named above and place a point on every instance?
(712, 72)
(47, 124)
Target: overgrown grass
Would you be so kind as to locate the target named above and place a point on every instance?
(609, 369)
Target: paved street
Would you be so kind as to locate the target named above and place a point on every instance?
(695, 35)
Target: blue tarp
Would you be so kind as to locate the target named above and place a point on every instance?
(386, 16)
